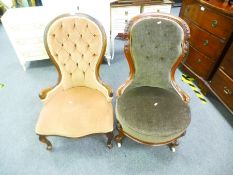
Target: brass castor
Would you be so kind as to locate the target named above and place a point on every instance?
(173, 146)
(43, 139)
(119, 138)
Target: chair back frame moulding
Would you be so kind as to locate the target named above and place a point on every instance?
(127, 50)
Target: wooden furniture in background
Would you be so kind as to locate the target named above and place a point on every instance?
(211, 29)
(26, 34)
(123, 10)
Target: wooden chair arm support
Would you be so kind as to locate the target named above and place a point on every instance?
(182, 93)
(44, 92)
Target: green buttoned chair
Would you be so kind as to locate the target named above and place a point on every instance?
(151, 108)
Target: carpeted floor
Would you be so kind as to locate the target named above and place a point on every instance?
(207, 148)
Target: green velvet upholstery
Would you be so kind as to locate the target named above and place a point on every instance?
(150, 109)
(152, 114)
(156, 44)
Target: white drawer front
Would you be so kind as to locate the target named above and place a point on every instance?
(157, 8)
(120, 17)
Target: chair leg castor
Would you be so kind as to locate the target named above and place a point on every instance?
(43, 139)
(119, 138)
(110, 137)
(118, 144)
(173, 146)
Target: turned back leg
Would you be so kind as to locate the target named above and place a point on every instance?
(110, 137)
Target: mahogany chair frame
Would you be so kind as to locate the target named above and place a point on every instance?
(44, 92)
(127, 50)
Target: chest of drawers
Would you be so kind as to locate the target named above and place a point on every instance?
(210, 55)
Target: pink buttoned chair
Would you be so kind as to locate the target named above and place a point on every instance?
(79, 104)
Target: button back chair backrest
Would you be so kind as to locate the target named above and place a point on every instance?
(76, 44)
(157, 43)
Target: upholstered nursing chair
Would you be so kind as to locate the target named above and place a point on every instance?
(151, 108)
(80, 104)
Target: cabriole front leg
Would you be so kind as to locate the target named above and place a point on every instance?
(44, 139)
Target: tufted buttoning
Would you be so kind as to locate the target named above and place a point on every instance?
(77, 64)
(61, 25)
(74, 25)
(64, 64)
(94, 35)
(70, 54)
(82, 56)
(87, 26)
(68, 35)
(161, 58)
(147, 57)
(75, 45)
(54, 35)
(88, 45)
(56, 54)
(94, 54)
(81, 35)
(89, 64)
(70, 74)
(62, 44)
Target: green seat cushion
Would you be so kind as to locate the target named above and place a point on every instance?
(152, 114)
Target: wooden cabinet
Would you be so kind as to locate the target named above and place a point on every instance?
(210, 58)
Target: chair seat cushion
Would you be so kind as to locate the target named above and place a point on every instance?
(76, 112)
(152, 114)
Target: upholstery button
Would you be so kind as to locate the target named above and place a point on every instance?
(62, 44)
(81, 35)
(61, 26)
(68, 35)
(75, 45)
(162, 58)
(77, 64)
(94, 54)
(64, 64)
(56, 54)
(87, 26)
(54, 35)
(82, 55)
(147, 57)
(94, 35)
(70, 74)
(88, 45)
(74, 25)
(89, 64)
(70, 54)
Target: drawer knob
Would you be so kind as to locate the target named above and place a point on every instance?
(227, 91)
(214, 23)
(206, 42)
